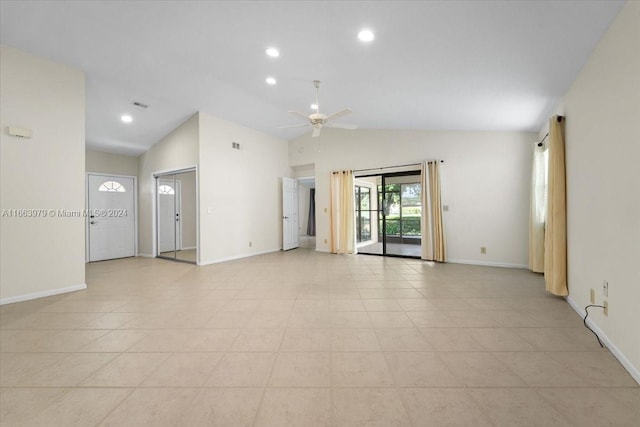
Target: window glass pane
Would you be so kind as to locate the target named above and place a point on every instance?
(112, 187)
(411, 194)
(166, 189)
(411, 211)
(411, 226)
(392, 204)
(364, 198)
(393, 227)
(365, 229)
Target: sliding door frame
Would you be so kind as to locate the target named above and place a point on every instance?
(156, 177)
(383, 230)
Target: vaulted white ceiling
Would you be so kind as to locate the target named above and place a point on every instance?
(466, 65)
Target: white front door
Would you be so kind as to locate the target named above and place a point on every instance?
(169, 213)
(289, 213)
(111, 217)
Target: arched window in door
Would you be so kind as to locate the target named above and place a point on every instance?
(112, 187)
(166, 189)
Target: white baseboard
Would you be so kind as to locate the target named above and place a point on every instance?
(234, 257)
(42, 294)
(487, 263)
(146, 255)
(188, 248)
(626, 363)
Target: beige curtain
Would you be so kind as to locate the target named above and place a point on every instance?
(555, 239)
(538, 208)
(343, 237)
(431, 224)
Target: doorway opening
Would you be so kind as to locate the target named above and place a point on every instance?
(388, 210)
(307, 212)
(176, 215)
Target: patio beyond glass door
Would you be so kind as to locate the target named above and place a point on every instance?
(391, 215)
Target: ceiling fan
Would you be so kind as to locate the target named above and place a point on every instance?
(318, 120)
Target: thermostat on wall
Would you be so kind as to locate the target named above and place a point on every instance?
(19, 132)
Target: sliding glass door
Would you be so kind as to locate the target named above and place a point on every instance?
(394, 206)
(176, 218)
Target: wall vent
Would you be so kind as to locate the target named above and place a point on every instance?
(140, 104)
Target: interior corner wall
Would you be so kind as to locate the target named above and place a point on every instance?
(110, 163)
(177, 150)
(602, 137)
(240, 190)
(485, 182)
(44, 174)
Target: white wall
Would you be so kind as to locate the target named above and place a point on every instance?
(175, 151)
(602, 111)
(44, 172)
(240, 190)
(109, 163)
(485, 182)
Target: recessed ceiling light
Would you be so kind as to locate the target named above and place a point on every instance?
(314, 106)
(126, 118)
(270, 81)
(273, 52)
(366, 35)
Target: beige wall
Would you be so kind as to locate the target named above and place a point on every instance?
(109, 163)
(177, 150)
(485, 182)
(602, 111)
(240, 190)
(44, 172)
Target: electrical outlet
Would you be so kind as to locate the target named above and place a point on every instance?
(606, 308)
(483, 250)
(605, 288)
(592, 296)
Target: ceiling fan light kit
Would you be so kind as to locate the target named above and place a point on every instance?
(318, 120)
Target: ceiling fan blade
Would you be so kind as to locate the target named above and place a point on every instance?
(339, 114)
(294, 126)
(316, 132)
(341, 126)
(299, 114)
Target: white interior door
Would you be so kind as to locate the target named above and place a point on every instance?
(111, 217)
(289, 213)
(169, 213)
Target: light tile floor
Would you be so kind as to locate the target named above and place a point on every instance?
(303, 338)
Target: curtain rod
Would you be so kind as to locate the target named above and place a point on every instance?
(559, 118)
(390, 167)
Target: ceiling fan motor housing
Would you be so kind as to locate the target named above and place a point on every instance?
(317, 118)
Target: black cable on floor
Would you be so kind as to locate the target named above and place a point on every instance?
(586, 309)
